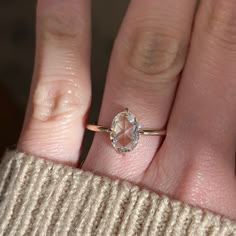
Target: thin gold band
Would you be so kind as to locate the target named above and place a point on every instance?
(150, 132)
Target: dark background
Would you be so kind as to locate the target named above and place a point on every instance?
(17, 44)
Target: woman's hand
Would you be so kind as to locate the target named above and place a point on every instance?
(156, 42)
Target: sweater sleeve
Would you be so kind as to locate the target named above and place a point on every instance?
(38, 197)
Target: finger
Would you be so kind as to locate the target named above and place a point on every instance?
(60, 94)
(202, 129)
(147, 58)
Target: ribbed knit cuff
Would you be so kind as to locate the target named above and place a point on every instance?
(38, 197)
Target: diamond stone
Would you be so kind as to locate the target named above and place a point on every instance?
(124, 132)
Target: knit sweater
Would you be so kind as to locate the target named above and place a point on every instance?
(38, 197)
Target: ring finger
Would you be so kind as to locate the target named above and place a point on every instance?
(147, 58)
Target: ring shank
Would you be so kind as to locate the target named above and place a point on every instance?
(150, 132)
(98, 128)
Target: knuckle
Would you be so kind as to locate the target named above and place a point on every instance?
(221, 23)
(151, 53)
(57, 100)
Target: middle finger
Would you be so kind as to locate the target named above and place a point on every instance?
(147, 58)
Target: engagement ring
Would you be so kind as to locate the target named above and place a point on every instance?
(125, 131)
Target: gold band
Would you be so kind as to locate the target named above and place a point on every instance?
(153, 132)
(98, 128)
(150, 132)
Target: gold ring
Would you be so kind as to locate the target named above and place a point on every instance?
(125, 131)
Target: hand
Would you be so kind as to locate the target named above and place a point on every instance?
(156, 43)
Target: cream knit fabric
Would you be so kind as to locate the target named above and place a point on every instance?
(38, 197)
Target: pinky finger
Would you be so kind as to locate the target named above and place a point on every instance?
(60, 93)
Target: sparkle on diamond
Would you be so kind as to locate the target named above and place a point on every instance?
(125, 132)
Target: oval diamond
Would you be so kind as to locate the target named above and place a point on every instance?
(124, 132)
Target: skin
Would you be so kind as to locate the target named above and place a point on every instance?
(173, 65)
